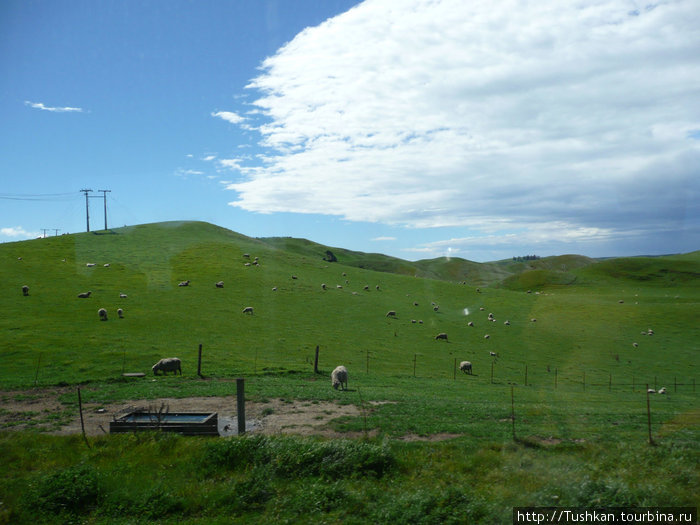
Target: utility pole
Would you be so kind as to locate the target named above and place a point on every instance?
(44, 230)
(104, 194)
(56, 230)
(87, 208)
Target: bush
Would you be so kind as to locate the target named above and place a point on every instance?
(74, 489)
(289, 457)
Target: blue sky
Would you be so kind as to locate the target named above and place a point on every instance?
(415, 128)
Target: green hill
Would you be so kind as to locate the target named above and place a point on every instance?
(555, 412)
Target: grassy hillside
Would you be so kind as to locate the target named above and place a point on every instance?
(573, 363)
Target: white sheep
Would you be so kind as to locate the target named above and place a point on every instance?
(441, 335)
(507, 323)
(106, 265)
(339, 377)
(25, 290)
(220, 284)
(84, 295)
(651, 391)
(466, 367)
(184, 283)
(168, 364)
(487, 336)
(122, 296)
(120, 313)
(391, 313)
(662, 390)
(248, 310)
(470, 323)
(90, 265)
(102, 313)
(323, 286)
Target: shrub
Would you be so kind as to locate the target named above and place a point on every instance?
(74, 489)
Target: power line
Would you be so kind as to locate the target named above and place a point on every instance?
(37, 196)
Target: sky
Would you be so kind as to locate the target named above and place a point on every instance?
(415, 128)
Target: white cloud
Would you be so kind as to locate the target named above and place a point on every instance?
(379, 239)
(182, 172)
(18, 232)
(39, 105)
(209, 158)
(229, 116)
(566, 121)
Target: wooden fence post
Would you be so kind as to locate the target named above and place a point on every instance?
(199, 361)
(82, 422)
(651, 441)
(525, 375)
(316, 361)
(414, 364)
(240, 405)
(512, 410)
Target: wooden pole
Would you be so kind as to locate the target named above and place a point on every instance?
(414, 364)
(240, 405)
(82, 422)
(36, 376)
(199, 361)
(316, 361)
(512, 410)
(651, 441)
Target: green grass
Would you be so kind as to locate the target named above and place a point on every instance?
(580, 415)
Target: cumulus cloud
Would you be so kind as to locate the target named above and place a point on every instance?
(229, 116)
(65, 109)
(568, 121)
(18, 232)
(379, 239)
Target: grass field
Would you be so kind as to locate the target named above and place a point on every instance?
(572, 365)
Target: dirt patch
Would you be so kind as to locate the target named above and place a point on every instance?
(442, 436)
(41, 410)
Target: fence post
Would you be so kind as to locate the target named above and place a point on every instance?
(199, 361)
(512, 410)
(651, 441)
(316, 361)
(82, 423)
(240, 405)
(414, 365)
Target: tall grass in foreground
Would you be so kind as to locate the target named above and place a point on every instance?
(141, 478)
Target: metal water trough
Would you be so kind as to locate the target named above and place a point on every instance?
(186, 423)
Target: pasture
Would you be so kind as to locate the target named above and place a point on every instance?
(572, 366)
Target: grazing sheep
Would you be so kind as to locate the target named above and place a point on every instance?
(413, 321)
(294, 277)
(274, 288)
(635, 345)
(391, 313)
(106, 265)
(662, 390)
(220, 284)
(184, 283)
(246, 264)
(533, 320)
(84, 295)
(436, 308)
(377, 287)
(122, 296)
(420, 321)
(339, 287)
(466, 367)
(102, 313)
(651, 391)
(169, 364)
(415, 304)
(507, 323)
(366, 287)
(487, 336)
(248, 310)
(90, 265)
(441, 335)
(470, 323)
(246, 255)
(120, 313)
(339, 377)
(650, 332)
(25, 290)
(323, 286)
